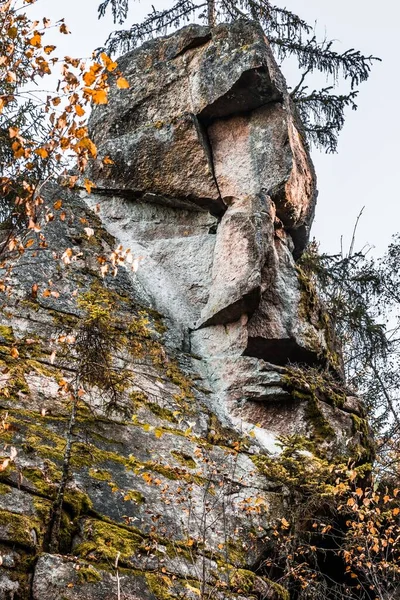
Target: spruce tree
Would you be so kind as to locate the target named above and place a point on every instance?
(322, 110)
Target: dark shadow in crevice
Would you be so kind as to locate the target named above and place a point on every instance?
(282, 352)
(252, 90)
(196, 42)
(247, 304)
(202, 132)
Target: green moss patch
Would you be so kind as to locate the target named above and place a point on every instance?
(88, 574)
(104, 541)
(21, 530)
(184, 459)
(6, 335)
(159, 587)
(100, 474)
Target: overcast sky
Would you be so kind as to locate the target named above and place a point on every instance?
(364, 171)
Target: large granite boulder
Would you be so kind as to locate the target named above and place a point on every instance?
(207, 120)
(213, 191)
(212, 184)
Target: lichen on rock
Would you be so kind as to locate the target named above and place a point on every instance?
(190, 379)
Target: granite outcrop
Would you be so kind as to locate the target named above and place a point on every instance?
(210, 185)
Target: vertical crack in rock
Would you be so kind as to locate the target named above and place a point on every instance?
(203, 136)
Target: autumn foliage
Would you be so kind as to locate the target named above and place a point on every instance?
(42, 134)
(341, 537)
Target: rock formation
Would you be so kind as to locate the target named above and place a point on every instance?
(212, 189)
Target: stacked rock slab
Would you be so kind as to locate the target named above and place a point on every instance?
(213, 186)
(213, 190)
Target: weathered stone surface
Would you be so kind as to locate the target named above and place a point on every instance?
(76, 580)
(223, 72)
(212, 122)
(283, 328)
(170, 134)
(239, 255)
(175, 247)
(262, 152)
(61, 579)
(213, 192)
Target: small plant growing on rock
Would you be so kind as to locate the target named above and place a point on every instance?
(341, 537)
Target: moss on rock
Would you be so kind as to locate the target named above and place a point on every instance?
(88, 574)
(158, 586)
(21, 530)
(184, 459)
(103, 541)
(100, 474)
(242, 581)
(6, 334)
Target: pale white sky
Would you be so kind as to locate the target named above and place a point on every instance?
(365, 170)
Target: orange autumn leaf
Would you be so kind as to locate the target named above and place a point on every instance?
(90, 76)
(72, 61)
(66, 257)
(285, 523)
(11, 77)
(33, 225)
(99, 96)
(36, 40)
(18, 150)
(79, 110)
(13, 132)
(65, 143)
(109, 64)
(89, 185)
(89, 145)
(42, 152)
(122, 83)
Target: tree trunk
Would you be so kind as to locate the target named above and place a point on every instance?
(211, 12)
(55, 523)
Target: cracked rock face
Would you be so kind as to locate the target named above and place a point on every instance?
(213, 186)
(213, 190)
(208, 120)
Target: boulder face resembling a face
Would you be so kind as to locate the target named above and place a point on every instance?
(207, 141)
(212, 189)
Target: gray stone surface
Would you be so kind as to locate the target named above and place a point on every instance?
(213, 192)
